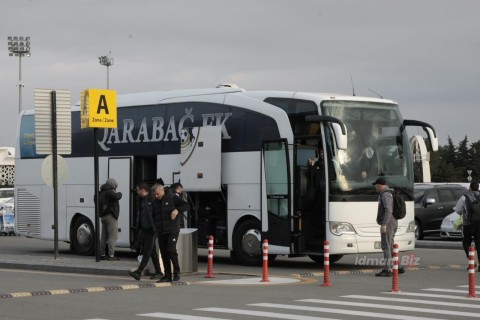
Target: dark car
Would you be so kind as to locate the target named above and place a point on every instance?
(433, 202)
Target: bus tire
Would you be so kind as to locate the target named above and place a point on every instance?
(319, 259)
(247, 243)
(82, 236)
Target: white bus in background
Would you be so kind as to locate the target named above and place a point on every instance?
(244, 164)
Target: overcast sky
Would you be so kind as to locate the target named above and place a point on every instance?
(423, 54)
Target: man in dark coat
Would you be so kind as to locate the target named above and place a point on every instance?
(146, 228)
(109, 219)
(168, 210)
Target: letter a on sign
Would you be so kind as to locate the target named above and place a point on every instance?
(102, 105)
(102, 108)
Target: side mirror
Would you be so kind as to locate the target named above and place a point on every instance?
(338, 127)
(432, 135)
(340, 136)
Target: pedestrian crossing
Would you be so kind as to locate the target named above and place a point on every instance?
(427, 304)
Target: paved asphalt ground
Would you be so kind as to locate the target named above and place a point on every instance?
(33, 258)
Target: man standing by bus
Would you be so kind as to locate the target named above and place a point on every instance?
(177, 188)
(110, 210)
(168, 209)
(388, 225)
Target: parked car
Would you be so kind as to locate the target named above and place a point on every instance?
(7, 223)
(433, 202)
(6, 194)
(447, 229)
(8, 205)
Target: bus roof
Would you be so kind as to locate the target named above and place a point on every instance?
(155, 97)
(313, 96)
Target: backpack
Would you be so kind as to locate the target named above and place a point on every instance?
(104, 206)
(473, 208)
(399, 208)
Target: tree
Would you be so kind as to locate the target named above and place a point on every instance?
(450, 163)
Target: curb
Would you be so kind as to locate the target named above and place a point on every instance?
(426, 244)
(91, 289)
(65, 269)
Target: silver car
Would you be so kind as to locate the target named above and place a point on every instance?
(447, 229)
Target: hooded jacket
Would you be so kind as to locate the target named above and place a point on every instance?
(113, 196)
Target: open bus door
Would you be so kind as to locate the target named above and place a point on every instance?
(120, 169)
(276, 196)
(201, 154)
(201, 176)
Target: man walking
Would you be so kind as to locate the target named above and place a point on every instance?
(388, 225)
(168, 209)
(470, 229)
(146, 225)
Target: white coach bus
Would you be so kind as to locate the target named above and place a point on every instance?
(243, 159)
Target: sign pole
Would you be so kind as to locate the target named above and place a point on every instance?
(97, 186)
(53, 136)
(98, 110)
(53, 96)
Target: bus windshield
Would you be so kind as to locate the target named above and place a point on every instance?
(377, 146)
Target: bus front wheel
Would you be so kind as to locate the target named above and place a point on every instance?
(247, 241)
(82, 236)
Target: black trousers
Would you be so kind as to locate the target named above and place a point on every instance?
(150, 251)
(469, 231)
(168, 249)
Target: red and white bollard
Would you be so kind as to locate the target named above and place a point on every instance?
(395, 287)
(471, 273)
(210, 258)
(265, 261)
(326, 264)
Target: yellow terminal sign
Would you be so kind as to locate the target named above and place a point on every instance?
(98, 108)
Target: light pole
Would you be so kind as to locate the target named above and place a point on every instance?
(19, 47)
(107, 61)
(104, 61)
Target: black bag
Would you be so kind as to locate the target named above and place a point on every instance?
(473, 208)
(399, 207)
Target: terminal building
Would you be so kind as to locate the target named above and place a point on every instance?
(7, 166)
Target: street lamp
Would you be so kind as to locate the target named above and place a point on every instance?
(19, 47)
(107, 61)
(104, 61)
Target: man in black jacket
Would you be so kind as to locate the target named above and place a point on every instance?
(168, 210)
(147, 228)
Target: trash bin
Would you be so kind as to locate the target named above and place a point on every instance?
(187, 250)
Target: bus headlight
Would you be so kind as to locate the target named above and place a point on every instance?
(339, 228)
(411, 226)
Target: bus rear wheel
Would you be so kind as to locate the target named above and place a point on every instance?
(82, 236)
(247, 244)
(319, 259)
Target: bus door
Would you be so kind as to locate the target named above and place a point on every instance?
(276, 197)
(120, 169)
(201, 176)
(201, 158)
